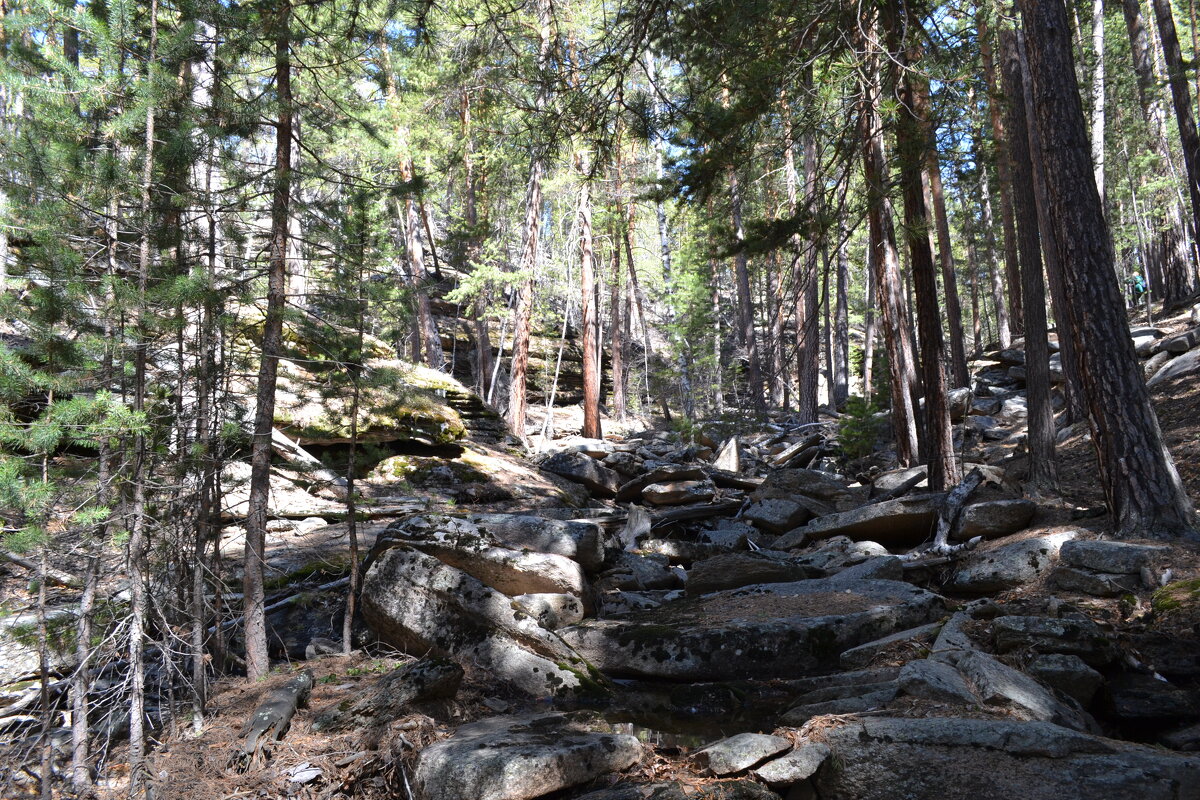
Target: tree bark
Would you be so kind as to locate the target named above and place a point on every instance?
(1172, 231)
(958, 349)
(1182, 98)
(912, 140)
(889, 287)
(530, 252)
(483, 345)
(1145, 494)
(257, 660)
(588, 308)
(1043, 473)
(804, 276)
(1098, 95)
(1012, 272)
(841, 320)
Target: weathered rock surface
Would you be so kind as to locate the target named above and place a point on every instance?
(390, 695)
(575, 539)
(673, 493)
(882, 758)
(583, 469)
(796, 766)
(735, 570)
(1182, 366)
(779, 515)
(739, 752)
(1075, 637)
(521, 757)
(1068, 674)
(994, 518)
(1007, 565)
(1117, 558)
(415, 602)
(899, 521)
(1097, 584)
(864, 654)
(999, 684)
(935, 680)
(462, 544)
(764, 631)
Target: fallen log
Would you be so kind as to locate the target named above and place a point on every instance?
(392, 694)
(271, 720)
(55, 576)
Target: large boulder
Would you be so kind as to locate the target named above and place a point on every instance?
(766, 631)
(522, 757)
(584, 470)
(901, 521)
(883, 758)
(575, 539)
(1073, 637)
(1182, 366)
(674, 493)
(1115, 558)
(463, 545)
(1008, 565)
(994, 518)
(415, 602)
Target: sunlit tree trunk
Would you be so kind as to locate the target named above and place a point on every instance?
(1145, 494)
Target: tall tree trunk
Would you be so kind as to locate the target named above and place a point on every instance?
(1098, 95)
(257, 659)
(1182, 98)
(617, 326)
(1003, 323)
(1145, 494)
(530, 250)
(483, 345)
(912, 140)
(804, 274)
(841, 320)
(1012, 272)
(1042, 465)
(136, 557)
(588, 307)
(1172, 231)
(958, 350)
(889, 286)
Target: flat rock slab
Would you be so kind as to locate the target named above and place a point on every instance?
(1096, 584)
(522, 757)
(1007, 566)
(632, 490)
(764, 631)
(735, 570)
(1116, 558)
(864, 654)
(884, 758)
(897, 521)
(740, 752)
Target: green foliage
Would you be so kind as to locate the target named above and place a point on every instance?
(858, 428)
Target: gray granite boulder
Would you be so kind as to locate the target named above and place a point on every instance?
(739, 752)
(522, 757)
(936, 680)
(585, 470)
(1074, 637)
(575, 539)
(1068, 674)
(1008, 565)
(765, 631)
(994, 518)
(735, 570)
(1117, 558)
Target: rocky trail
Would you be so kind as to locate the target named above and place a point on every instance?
(739, 615)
